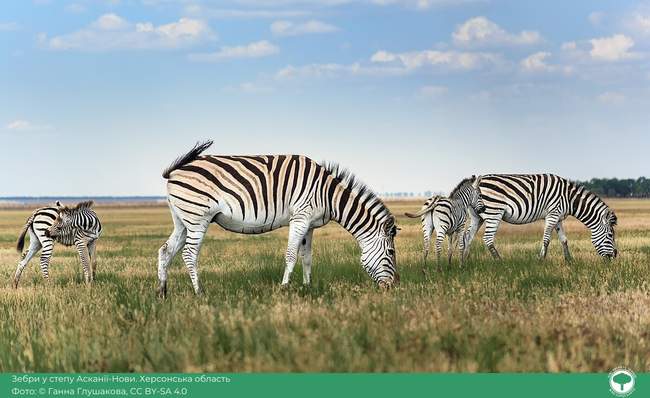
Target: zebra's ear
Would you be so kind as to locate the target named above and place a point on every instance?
(58, 204)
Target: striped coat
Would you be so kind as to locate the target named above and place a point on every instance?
(78, 226)
(525, 198)
(257, 194)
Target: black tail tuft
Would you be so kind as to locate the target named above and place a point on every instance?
(188, 157)
(21, 238)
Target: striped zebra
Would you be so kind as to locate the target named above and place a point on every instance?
(257, 194)
(525, 198)
(447, 216)
(78, 226)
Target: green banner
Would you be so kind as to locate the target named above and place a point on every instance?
(322, 385)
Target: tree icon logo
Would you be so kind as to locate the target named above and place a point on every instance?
(621, 382)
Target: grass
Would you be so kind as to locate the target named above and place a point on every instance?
(519, 314)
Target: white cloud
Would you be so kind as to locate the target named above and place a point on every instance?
(111, 32)
(252, 50)
(9, 26)
(332, 70)
(480, 31)
(110, 22)
(640, 22)
(613, 48)
(451, 59)
(288, 28)
(433, 91)
(611, 97)
(596, 17)
(238, 13)
(569, 46)
(75, 8)
(537, 62)
(24, 125)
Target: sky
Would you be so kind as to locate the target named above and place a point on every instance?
(98, 97)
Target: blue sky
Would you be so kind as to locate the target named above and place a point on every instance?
(97, 97)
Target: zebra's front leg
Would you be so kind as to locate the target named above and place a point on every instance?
(298, 228)
(92, 251)
(550, 223)
(305, 251)
(468, 236)
(491, 226)
(82, 249)
(191, 250)
(564, 240)
(34, 247)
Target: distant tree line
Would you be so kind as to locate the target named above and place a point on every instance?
(615, 188)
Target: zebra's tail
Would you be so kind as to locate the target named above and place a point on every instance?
(21, 238)
(187, 158)
(424, 209)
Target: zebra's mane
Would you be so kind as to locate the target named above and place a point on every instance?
(461, 184)
(352, 182)
(79, 206)
(190, 156)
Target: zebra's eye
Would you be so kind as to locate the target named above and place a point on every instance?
(391, 252)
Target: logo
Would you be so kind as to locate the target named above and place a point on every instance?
(621, 381)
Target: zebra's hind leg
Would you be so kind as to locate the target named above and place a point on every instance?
(82, 249)
(305, 252)
(451, 240)
(34, 247)
(564, 240)
(167, 252)
(440, 236)
(298, 228)
(550, 223)
(491, 226)
(193, 242)
(46, 255)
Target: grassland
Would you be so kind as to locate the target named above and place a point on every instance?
(519, 314)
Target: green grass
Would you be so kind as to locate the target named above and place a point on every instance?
(519, 314)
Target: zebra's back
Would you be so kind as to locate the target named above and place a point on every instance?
(522, 198)
(249, 194)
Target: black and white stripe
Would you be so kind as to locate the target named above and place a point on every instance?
(78, 226)
(257, 194)
(447, 216)
(525, 198)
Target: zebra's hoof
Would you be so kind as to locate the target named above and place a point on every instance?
(15, 284)
(162, 290)
(284, 286)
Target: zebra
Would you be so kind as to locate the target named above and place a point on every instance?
(78, 226)
(447, 216)
(257, 194)
(525, 198)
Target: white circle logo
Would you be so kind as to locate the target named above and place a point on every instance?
(621, 382)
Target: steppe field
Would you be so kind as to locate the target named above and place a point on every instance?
(515, 315)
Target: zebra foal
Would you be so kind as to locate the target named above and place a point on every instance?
(78, 226)
(447, 216)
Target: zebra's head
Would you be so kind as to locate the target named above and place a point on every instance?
(62, 222)
(469, 192)
(603, 234)
(378, 254)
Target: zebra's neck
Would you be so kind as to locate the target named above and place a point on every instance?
(358, 212)
(586, 206)
(462, 196)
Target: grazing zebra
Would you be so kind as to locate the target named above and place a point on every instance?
(78, 226)
(525, 198)
(257, 194)
(448, 215)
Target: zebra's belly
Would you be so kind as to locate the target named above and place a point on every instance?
(520, 219)
(238, 225)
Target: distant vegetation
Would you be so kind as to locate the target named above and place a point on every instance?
(623, 188)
